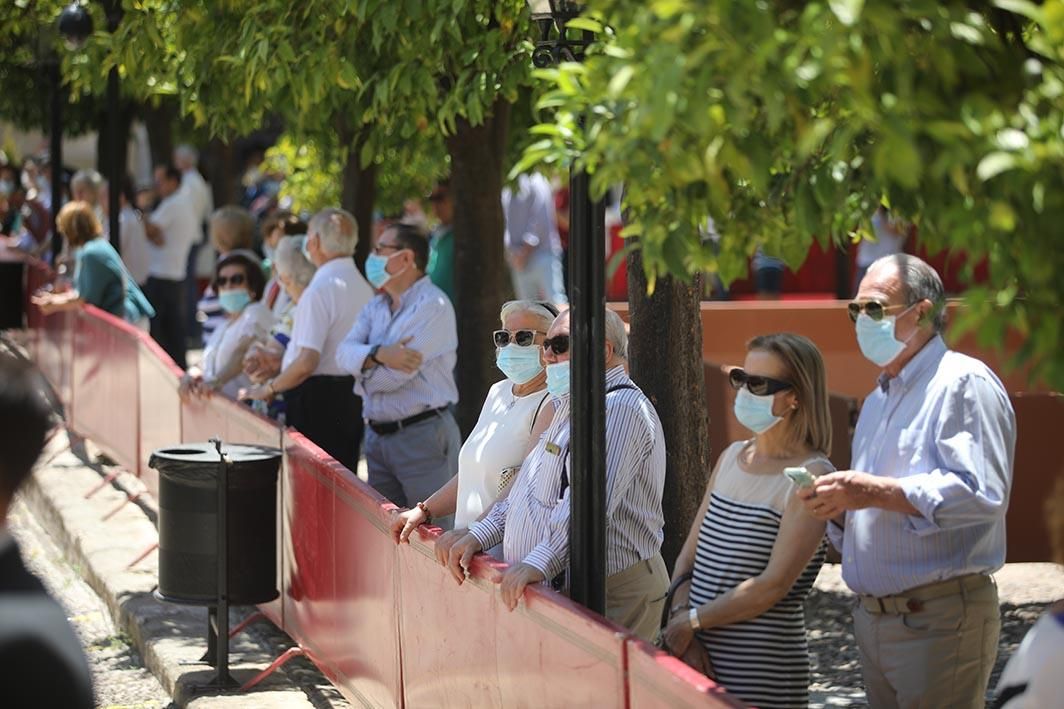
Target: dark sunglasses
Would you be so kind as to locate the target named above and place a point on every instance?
(559, 344)
(871, 308)
(760, 386)
(523, 338)
(235, 280)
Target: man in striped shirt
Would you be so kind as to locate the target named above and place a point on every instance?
(533, 521)
(402, 352)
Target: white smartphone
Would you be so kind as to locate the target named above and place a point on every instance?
(800, 476)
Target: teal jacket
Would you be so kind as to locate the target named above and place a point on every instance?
(102, 280)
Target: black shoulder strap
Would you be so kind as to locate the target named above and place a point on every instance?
(565, 452)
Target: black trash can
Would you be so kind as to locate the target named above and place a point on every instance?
(188, 523)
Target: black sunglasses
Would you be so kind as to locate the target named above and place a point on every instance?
(237, 279)
(559, 344)
(523, 338)
(873, 309)
(760, 386)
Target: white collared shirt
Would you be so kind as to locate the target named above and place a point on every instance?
(180, 226)
(326, 312)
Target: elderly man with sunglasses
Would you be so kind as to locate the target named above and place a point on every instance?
(402, 352)
(920, 522)
(533, 521)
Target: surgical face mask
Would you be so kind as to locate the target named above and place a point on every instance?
(519, 364)
(306, 251)
(268, 251)
(876, 339)
(234, 301)
(558, 378)
(755, 412)
(7, 186)
(377, 270)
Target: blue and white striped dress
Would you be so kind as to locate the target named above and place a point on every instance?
(765, 660)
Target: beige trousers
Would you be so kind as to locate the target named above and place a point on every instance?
(634, 597)
(938, 657)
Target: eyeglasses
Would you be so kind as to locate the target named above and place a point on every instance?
(559, 344)
(872, 308)
(393, 247)
(760, 386)
(523, 338)
(237, 279)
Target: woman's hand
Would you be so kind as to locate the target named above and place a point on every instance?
(678, 634)
(188, 386)
(404, 523)
(259, 392)
(446, 541)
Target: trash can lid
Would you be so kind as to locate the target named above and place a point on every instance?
(207, 453)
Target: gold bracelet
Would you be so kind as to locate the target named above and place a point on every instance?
(270, 390)
(425, 508)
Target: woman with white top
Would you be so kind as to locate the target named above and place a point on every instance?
(239, 283)
(753, 553)
(514, 414)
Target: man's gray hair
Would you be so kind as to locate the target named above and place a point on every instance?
(920, 282)
(532, 307)
(337, 230)
(289, 260)
(87, 179)
(186, 155)
(616, 334)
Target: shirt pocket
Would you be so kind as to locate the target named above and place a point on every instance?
(548, 485)
(912, 451)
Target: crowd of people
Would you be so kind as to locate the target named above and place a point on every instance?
(364, 366)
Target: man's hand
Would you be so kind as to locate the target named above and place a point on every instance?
(446, 541)
(259, 392)
(261, 362)
(678, 634)
(399, 357)
(514, 581)
(154, 233)
(835, 493)
(405, 522)
(461, 556)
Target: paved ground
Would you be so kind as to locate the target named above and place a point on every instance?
(1024, 589)
(118, 672)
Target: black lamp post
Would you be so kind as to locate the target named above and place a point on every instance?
(587, 246)
(75, 24)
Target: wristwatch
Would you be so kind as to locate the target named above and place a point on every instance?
(693, 618)
(373, 354)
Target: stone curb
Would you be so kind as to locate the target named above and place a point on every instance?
(100, 536)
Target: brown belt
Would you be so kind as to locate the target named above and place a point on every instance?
(912, 601)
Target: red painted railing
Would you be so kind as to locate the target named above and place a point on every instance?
(386, 624)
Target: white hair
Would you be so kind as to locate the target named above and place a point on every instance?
(186, 156)
(534, 308)
(616, 334)
(87, 179)
(289, 260)
(336, 229)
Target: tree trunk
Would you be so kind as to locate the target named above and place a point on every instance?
(358, 194)
(668, 329)
(482, 280)
(159, 120)
(104, 152)
(221, 171)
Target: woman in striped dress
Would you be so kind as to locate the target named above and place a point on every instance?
(752, 555)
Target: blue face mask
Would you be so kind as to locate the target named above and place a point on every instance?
(876, 339)
(558, 378)
(755, 412)
(268, 251)
(519, 364)
(303, 248)
(233, 301)
(377, 271)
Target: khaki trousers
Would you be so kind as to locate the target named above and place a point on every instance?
(634, 597)
(939, 656)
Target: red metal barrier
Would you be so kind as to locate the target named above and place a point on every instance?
(105, 383)
(160, 407)
(657, 680)
(340, 583)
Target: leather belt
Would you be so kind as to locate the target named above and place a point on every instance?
(912, 601)
(385, 428)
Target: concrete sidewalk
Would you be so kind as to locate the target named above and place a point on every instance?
(101, 536)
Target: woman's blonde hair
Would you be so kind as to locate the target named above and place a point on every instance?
(78, 223)
(811, 422)
(231, 228)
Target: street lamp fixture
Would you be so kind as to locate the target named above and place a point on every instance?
(557, 41)
(75, 25)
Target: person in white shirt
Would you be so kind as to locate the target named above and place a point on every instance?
(514, 413)
(132, 235)
(320, 399)
(172, 229)
(186, 158)
(239, 282)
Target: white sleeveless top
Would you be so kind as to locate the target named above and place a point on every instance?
(499, 441)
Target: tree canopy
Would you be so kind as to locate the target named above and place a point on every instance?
(787, 122)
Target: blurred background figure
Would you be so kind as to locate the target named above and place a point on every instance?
(891, 234)
(533, 248)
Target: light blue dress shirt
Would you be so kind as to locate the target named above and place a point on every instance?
(944, 427)
(424, 314)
